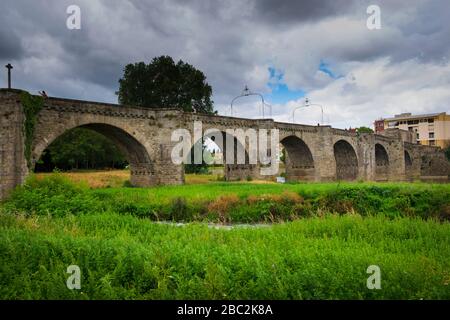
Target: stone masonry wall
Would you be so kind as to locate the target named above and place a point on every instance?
(13, 168)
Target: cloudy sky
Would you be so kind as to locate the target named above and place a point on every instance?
(285, 50)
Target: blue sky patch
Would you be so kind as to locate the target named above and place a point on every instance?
(325, 67)
(280, 91)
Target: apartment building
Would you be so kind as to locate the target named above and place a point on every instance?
(431, 129)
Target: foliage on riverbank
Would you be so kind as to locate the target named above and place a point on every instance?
(55, 195)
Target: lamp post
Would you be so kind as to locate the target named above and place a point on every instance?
(245, 93)
(307, 104)
(293, 112)
(270, 108)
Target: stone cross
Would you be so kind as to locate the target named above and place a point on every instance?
(9, 67)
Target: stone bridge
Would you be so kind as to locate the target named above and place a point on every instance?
(313, 153)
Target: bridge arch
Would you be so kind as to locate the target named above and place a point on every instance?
(299, 159)
(382, 162)
(240, 169)
(141, 166)
(346, 161)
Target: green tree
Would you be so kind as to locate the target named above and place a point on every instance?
(364, 130)
(81, 149)
(283, 155)
(164, 84)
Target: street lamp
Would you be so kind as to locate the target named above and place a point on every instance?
(307, 104)
(245, 93)
(270, 108)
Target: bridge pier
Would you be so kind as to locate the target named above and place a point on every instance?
(13, 167)
(325, 160)
(434, 165)
(413, 160)
(236, 172)
(163, 170)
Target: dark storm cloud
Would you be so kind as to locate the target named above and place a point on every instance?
(10, 46)
(426, 35)
(74, 55)
(297, 11)
(233, 42)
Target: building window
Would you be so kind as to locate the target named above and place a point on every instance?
(431, 135)
(430, 120)
(417, 135)
(432, 143)
(392, 124)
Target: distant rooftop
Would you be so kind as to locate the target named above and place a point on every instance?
(405, 116)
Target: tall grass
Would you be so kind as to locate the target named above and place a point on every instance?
(124, 257)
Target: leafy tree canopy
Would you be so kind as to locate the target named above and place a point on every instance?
(164, 84)
(364, 130)
(81, 148)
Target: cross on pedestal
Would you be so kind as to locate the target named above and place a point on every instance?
(9, 67)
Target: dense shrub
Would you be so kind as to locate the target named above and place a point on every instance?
(179, 210)
(222, 206)
(53, 195)
(390, 201)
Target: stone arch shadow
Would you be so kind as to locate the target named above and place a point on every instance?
(346, 161)
(142, 172)
(408, 161)
(299, 159)
(382, 163)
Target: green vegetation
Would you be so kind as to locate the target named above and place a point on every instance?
(326, 237)
(124, 257)
(364, 130)
(283, 156)
(233, 202)
(81, 148)
(164, 84)
(31, 107)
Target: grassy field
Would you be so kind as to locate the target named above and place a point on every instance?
(95, 179)
(118, 178)
(317, 241)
